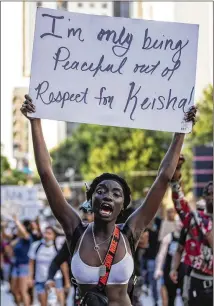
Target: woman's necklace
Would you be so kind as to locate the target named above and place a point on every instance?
(102, 271)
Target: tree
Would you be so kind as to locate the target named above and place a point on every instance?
(203, 131)
(95, 149)
(202, 134)
(129, 153)
(14, 177)
(5, 166)
(11, 176)
(72, 153)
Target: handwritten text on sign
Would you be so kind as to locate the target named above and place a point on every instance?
(113, 71)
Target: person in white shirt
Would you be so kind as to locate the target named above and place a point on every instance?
(41, 254)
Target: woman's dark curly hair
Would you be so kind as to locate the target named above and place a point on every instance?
(114, 177)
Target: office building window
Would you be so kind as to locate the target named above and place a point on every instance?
(29, 15)
(62, 5)
(121, 9)
(38, 3)
(20, 126)
(70, 128)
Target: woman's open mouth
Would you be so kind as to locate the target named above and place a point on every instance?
(106, 210)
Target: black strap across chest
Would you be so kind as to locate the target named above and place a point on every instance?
(80, 229)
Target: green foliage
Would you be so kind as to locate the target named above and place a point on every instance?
(13, 176)
(95, 149)
(129, 153)
(203, 131)
(5, 166)
(202, 134)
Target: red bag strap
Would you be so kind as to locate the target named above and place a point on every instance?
(110, 257)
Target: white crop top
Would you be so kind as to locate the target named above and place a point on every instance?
(120, 272)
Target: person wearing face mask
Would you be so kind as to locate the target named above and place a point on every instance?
(41, 254)
(198, 248)
(163, 263)
(103, 258)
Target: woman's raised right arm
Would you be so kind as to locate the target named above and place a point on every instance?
(63, 212)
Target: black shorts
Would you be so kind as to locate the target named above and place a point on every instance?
(200, 292)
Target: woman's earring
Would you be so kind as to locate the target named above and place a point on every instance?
(87, 187)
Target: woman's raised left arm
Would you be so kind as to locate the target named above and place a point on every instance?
(140, 219)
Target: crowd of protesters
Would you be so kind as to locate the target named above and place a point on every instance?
(174, 256)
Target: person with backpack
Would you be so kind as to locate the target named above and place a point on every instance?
(102, 260)
(41, 254)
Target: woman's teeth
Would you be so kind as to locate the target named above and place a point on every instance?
(105, 212)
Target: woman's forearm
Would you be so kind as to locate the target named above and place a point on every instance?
(170, 161)
(176, 260)
(160, 259)
(31, 269)
(42, 157)
(63, 212)
(209, 237)
(22, 229)
(142, 216)
(65, 272)
(39, 227)
(14, 242)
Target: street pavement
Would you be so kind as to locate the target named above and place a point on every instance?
(7, 300)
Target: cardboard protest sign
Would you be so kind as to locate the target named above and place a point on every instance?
(20, 200)
(113, 71)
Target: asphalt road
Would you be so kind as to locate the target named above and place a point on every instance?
(7, 300)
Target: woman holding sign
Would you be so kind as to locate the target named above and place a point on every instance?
(102, 262)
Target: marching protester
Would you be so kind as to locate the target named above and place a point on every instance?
(150, 256)
(2, 259)
(6, 256)
(64, 256)
(169, 224)
(177, 262)
(141, 248)
(41, 254)
(20, 267)
(100, 244)
(198, 248)
(163, 264)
